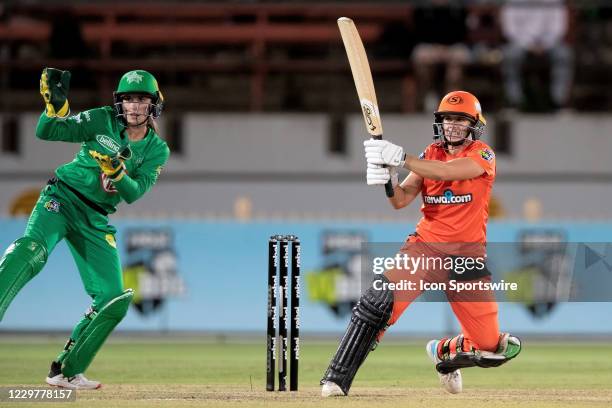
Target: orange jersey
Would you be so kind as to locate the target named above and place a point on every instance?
(457, 211)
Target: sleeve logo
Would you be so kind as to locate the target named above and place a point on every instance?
(52, 206)
(487, 154)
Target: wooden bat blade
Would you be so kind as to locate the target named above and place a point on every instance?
(362, 76)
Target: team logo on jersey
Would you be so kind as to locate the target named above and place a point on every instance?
(448, 198)
(109, 143)
(52, 206)
(133, 76)
(486, 154)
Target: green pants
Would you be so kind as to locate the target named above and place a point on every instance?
(59, 214)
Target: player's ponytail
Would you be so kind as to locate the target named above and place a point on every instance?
(152, 123)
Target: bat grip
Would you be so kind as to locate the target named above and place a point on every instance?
(388, 187)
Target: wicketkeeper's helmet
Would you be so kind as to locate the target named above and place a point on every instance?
(143, 83)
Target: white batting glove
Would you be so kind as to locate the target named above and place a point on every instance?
(384, 152)
(379, 175)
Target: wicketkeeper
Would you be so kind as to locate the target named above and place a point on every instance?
(454, 176)
(120, 158)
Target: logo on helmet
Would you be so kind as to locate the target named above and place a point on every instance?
(133, 77)
(454, 100)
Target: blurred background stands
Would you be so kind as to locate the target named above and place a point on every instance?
(276, 56)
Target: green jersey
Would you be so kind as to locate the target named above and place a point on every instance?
(100, 130)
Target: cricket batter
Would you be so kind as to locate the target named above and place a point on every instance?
(454, 176)
(120, 159)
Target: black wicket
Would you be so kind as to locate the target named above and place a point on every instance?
(282, 317)
(271, 337)
(294, 351)
(279, 292)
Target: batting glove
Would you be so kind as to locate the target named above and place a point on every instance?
(384, 152)
(379, 175)
(54, 86)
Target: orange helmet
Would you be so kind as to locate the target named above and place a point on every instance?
(460, 103)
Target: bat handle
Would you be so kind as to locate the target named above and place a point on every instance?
(388, 187)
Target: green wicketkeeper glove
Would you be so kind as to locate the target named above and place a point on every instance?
(54, 86)
(112, 166)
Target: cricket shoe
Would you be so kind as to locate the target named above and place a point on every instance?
(452, 382)
(78, 382)
(331, 389)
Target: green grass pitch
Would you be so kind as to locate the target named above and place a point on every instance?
(146, 371)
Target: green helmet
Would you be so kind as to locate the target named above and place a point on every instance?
(139, 82)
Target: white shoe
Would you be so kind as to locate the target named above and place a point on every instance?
(331, 389)
(452, 382)
(78, 382)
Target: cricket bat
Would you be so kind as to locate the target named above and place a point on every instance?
(362, 76)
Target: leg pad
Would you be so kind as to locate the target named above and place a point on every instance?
(93, 337)
(20, 263)
(369, 317)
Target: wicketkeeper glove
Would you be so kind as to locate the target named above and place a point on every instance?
(379, 175)
(112, 166)
(384, 152)
(54, 86)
